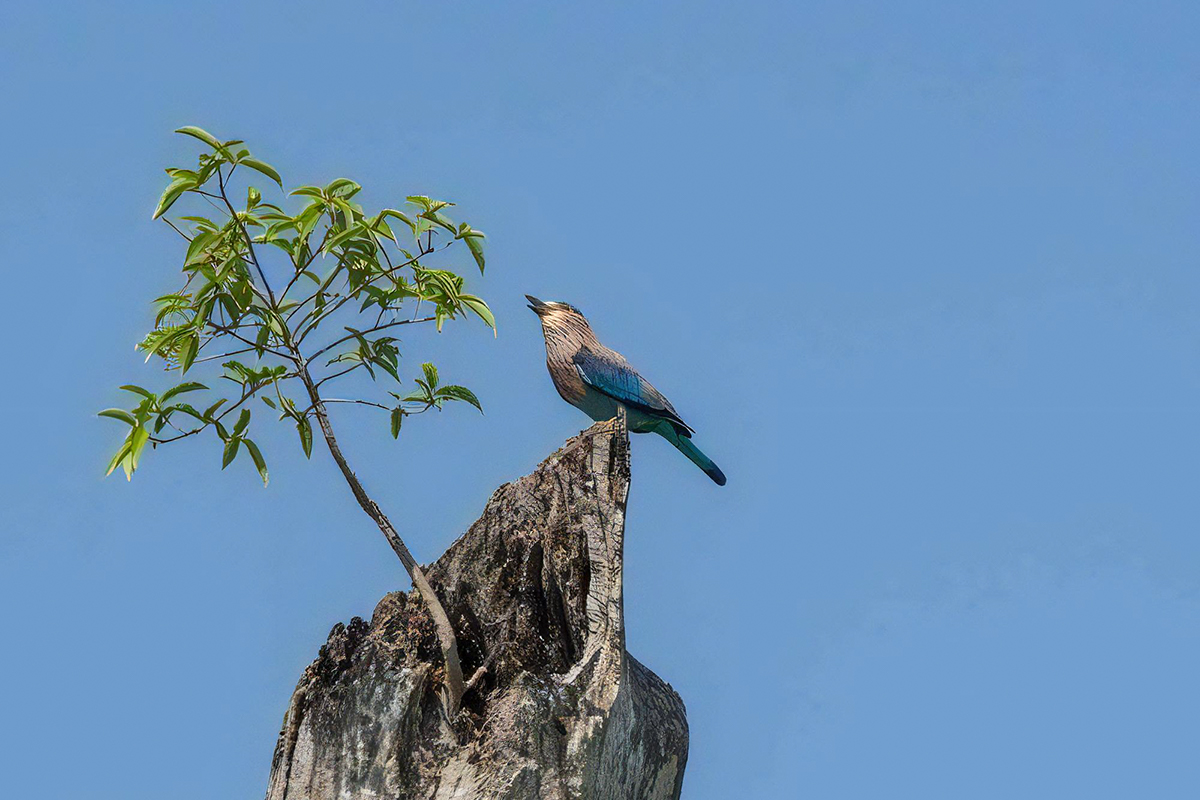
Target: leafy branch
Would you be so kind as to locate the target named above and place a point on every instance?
(333, 260)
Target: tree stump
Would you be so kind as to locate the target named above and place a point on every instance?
(558, 709)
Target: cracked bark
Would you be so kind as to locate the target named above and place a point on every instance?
(559, 711)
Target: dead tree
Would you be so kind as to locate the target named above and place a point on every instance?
(555, 707)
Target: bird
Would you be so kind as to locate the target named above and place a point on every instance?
(597, 380)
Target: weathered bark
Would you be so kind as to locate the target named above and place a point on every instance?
(559, 711)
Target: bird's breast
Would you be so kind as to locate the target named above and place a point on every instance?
(567, 381)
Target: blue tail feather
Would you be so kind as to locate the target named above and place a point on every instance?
(685, 446)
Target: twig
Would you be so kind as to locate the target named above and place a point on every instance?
(300, 270)
(253, 345)
(181, 233)
(224, 355)
(245, 234)
(330, 309)
(334, 344)
(356, 402)
(245, 396)
(339, 374)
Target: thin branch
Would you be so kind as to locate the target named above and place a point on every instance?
(355, 402)
(339, 374)
(208, 198)
(307, 314)
(253, 345)
(224, 355)
(245, 396)
(325, 283)
(330, 309)
(300, 270)
(245, 234)
(424, 252)
(386, 257)
(181, 233)
(424, 406)
(348, 337)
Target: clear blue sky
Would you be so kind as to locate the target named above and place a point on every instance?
(923, 276)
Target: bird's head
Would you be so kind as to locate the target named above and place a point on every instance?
(554, 314)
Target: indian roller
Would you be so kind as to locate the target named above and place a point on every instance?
(597, 380)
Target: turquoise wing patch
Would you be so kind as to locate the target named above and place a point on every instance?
(621, 382)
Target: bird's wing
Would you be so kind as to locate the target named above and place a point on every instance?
(611, 374)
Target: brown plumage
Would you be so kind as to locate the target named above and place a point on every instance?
(565, 335)
(599, 382)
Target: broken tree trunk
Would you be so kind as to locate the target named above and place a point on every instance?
(558, 709)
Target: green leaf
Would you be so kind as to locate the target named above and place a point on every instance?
(198, 246)
(202, 135)
(187, 353)
(460, 393)
(474, 242)
(342, 187)
(344, 207)
(190, 386)
(397, 419)
(379, 226)
(400, 215)
(420, 225)
(119, 414)
(353, 230)
(270, 403)
(208, 412)
(127, 456)
(304, 428)
(172, 193)
(442, 220)
(162, 341)
(480, 308)
(264, 168)
(129, 387)
(286, 245)
(253, 196)
(137, 441)
(261, 340)
(231, 451)
(186, 409)
(388, 367)
(431, 374)
(258, 460)
(118, 458)
(242, 421)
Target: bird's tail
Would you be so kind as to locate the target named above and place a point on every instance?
(693, 453)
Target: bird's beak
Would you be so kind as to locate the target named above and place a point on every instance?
(535, 305)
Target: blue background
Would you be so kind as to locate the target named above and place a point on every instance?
(923, 276)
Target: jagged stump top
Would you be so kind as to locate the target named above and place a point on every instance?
(533, 589)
